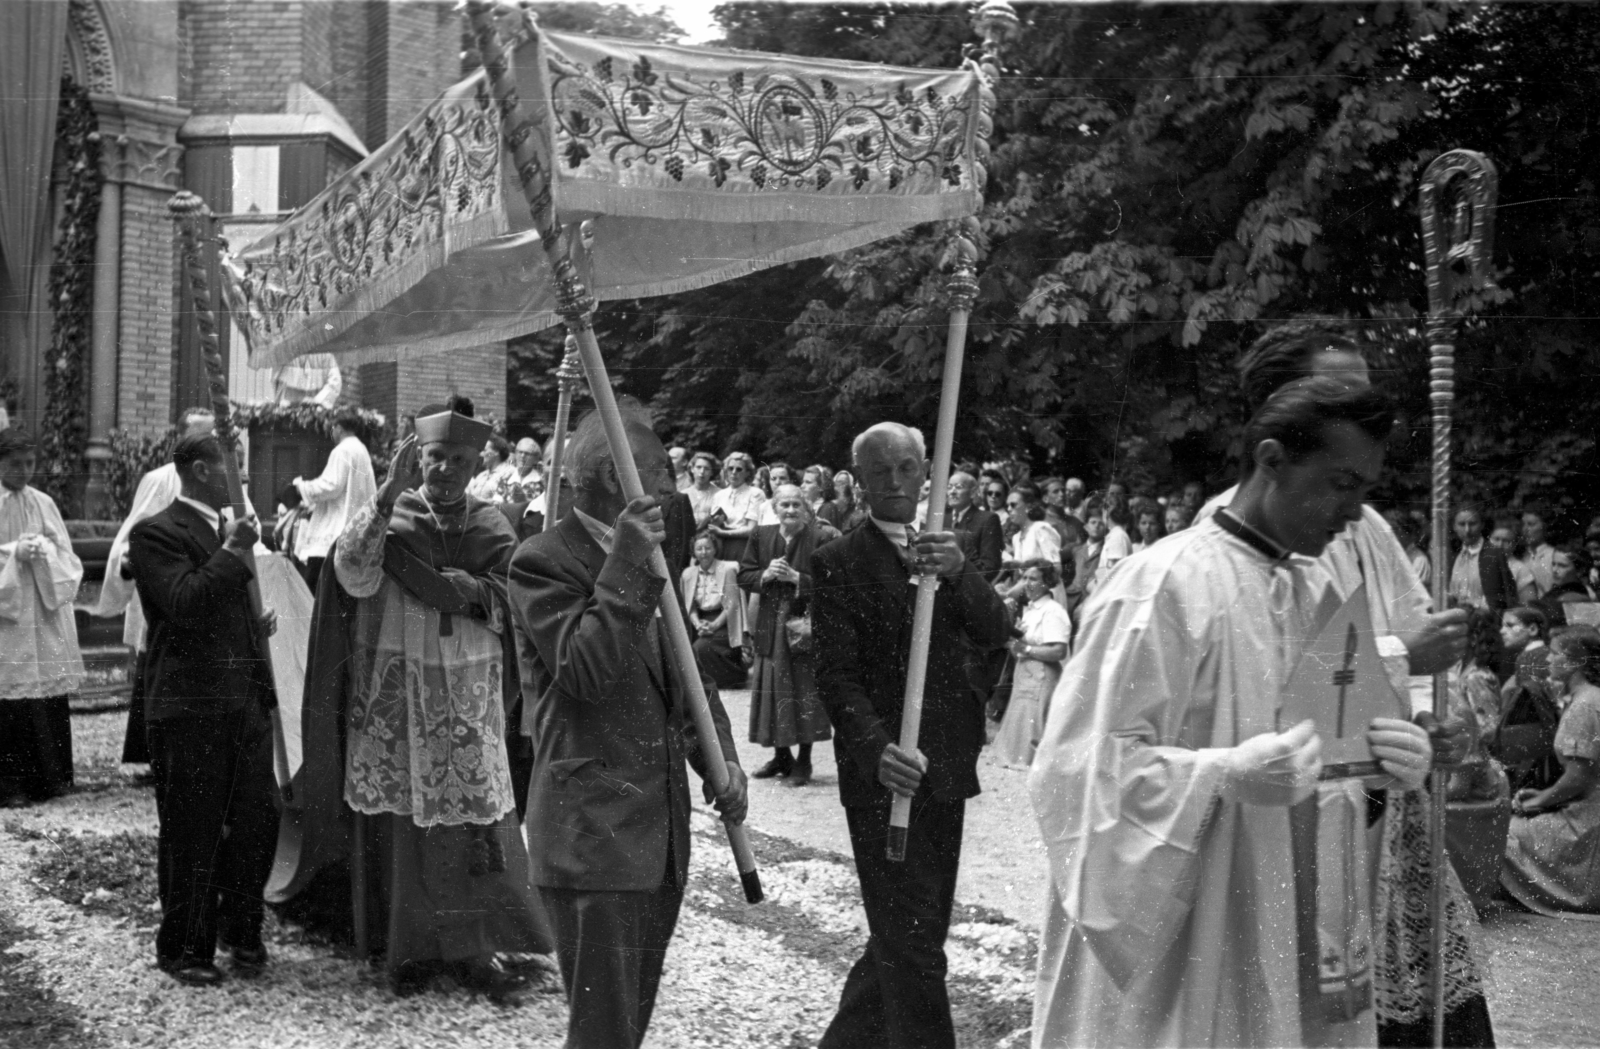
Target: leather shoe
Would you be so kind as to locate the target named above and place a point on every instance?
(775, 767)
(195, 974)
(800, 775)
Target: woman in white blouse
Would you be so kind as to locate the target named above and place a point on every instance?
(1046, 631)
(739, 504)
(713, 602)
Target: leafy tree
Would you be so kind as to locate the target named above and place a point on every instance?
(1166, 181)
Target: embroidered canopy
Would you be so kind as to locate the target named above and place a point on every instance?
(692, 165)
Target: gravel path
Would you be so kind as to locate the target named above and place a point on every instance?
(77, 970)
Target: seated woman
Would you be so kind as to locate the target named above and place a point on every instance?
(1040, 652)
(1554, 849)
(715, 606)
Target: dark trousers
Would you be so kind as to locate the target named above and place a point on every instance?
(719, 661)
(219, 829)
(136, 737)
(612, 946)
(35, 747)
(895, 997)
(311, 571)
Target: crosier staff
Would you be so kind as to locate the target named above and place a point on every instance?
(995, 20)
(194, 225)
(576, 306)
(1457, 205)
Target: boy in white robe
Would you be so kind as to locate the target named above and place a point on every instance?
(1165, 793)
(39, 658)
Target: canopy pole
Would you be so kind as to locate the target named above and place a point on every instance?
(1457, 206)
(568, 375)
(995, 20)
(576, 306)
(194, 225)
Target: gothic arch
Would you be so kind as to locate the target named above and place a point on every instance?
(89, 56)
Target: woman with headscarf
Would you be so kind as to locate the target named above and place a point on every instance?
(785, 707)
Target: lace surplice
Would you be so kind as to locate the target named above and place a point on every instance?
(426, 718)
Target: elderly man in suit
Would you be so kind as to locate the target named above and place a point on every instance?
(861, 614)
(608, 806)
(977, 530)
(207, 695)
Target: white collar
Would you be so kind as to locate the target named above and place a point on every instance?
(598, 530)
(893, 529)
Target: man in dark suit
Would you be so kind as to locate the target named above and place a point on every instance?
(608, 806)
(861, 615)
(207, 695)
(977, 530)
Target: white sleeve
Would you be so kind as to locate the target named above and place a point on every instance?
(330, 484)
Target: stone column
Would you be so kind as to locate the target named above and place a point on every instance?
(103, 328)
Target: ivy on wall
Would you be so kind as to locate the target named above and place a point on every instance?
(65, 431)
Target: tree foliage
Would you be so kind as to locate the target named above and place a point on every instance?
(1167, 180)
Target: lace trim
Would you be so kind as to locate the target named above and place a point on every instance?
(1402, 918)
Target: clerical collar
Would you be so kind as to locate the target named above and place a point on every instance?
(1250, 536)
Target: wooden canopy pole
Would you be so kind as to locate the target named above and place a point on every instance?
(1457, 204)
(994, 20)
(195, 225)
(576, 306)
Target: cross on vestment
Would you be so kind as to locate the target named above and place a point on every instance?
(1346, 676)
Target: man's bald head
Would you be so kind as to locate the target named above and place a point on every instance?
(593, 473)
(882, 434)
(961, 491)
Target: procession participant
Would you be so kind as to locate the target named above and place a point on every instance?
(1412, 640)
(1164, 792)
(207, 693)
(39, 576)
(977, 530)
(345, 485)
(431, 674)
(785, 709)
(606, 709)
(157, 489)
(680, 467)
(861, 613)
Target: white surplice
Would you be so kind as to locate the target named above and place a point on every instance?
(1171, 918)
(38, 636)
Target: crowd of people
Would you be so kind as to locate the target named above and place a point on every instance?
(496, 738)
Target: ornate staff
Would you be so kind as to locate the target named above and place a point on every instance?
(191, 214)
(995, 20)
(1457, 203)
(576, 306)
(568, 375)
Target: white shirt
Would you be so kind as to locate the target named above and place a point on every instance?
(211, 514)
(741, 505)
(345, 485)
